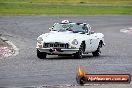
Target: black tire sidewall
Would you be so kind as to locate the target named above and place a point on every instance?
(79, 54)
(41, 55)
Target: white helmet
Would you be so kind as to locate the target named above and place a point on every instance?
(65, 21)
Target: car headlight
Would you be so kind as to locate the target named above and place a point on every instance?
(39, 40)
(74, 42)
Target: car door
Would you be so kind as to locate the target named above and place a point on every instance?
(94, 42)
(88, 43)
(88, 38)
(91, 40)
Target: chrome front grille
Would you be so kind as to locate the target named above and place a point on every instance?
(56, 45)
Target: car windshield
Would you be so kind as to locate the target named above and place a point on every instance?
(70, 26)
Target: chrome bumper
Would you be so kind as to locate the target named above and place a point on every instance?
(57, 50)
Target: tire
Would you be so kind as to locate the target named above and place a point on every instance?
(79, 54)
(41, 55)
(98, 51)
(81, 80)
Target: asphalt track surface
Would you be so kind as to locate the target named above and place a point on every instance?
(26, 69)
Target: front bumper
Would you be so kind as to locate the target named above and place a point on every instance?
(57, 50)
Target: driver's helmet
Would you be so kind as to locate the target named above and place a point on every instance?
(65, 21)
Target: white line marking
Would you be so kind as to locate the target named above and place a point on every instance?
(114, 64)
(126, 30)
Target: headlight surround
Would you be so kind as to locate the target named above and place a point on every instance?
(75, 42)
(39, 40)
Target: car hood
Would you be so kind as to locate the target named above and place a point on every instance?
(64, 37)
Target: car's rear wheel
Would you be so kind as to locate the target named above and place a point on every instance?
(79, 54)
(41, 55)
(98, 51)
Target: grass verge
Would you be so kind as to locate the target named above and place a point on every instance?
(38, 8)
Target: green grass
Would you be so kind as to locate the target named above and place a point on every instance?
(74, 1)
(65, 7)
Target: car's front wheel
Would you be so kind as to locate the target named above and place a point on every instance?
(41, 55)
(79, 54)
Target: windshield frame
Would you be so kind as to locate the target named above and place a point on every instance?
(75, 27)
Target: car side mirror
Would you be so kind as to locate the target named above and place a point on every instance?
(92, 32)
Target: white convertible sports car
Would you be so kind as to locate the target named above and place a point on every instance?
(68, 38)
